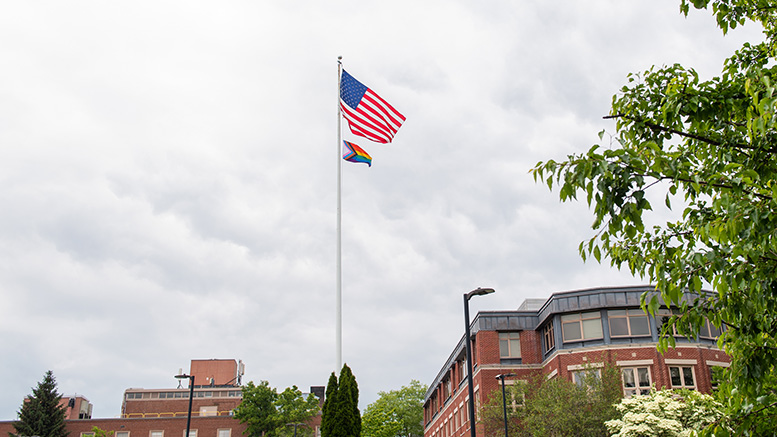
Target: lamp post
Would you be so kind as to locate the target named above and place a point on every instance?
(295, 426)
(504, 399)
(467, 341)
(191, 396)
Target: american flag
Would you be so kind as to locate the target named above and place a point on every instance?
(367, 113)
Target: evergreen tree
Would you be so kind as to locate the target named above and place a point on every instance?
(348, 401)
(340, 415)
(327, 411)
(41, 414)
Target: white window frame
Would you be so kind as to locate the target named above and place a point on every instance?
(683, 381)
(580, 319)
(580, 377)
(628, 314)
(512, 338)
(638, 388)
(220, 432)
(514, 402)
(548, 337)
(157, 433)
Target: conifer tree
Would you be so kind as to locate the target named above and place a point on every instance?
(349, 402)
(327, 411)
(41, 414)
(340, 415)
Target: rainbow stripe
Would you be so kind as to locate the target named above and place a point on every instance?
(354, 153)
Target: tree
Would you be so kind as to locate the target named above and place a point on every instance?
(664, 413)
(709, 144)
(556, 407)
(327, 411)
(42, 414)
(99, 432)
(257, 409)
(340, 416)
(268, 413)
(293, 408)
(397, 413)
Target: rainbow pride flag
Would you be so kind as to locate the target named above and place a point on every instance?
(354, 153)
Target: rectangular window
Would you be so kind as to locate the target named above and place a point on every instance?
(122, 433)
(636, 381)
(708, 330)
(516, 397)
(509, 345)
(192, 433)
(584, 377)
(628, 323)
(681, 377)
(224, 432)
(157, 433)
(548, 337)
(581, 326)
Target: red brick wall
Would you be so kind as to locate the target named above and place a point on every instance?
(222, 371)
(531, 352)
(172, 427)
(177, 406)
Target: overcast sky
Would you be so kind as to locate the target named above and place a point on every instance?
(168, 179)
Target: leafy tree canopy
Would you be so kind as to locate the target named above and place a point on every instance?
(268, 413)
(557, 407)
(709, 145)
(41, 414)
(396, 413)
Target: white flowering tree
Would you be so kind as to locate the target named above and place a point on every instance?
(664, 413)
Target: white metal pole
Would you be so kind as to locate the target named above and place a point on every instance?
(339, 294)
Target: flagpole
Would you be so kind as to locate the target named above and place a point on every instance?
(339, 292)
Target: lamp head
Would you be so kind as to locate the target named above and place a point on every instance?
(480, 292)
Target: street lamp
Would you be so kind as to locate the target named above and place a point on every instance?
(467, 340)
(504, 399)
(295, 426)
(191, 396)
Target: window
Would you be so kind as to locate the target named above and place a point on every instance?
(87, 434)
(584, 377)
(157, 433)
(192, 433)
(708, 330)
(516, 396)
(122, 434)
(223, 432)
(509, 345)
(581, 326)
(636, 381)
(628, 323)
(548, 338)
(681, 377)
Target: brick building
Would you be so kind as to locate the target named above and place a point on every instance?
(164, 412)
(561, 337)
